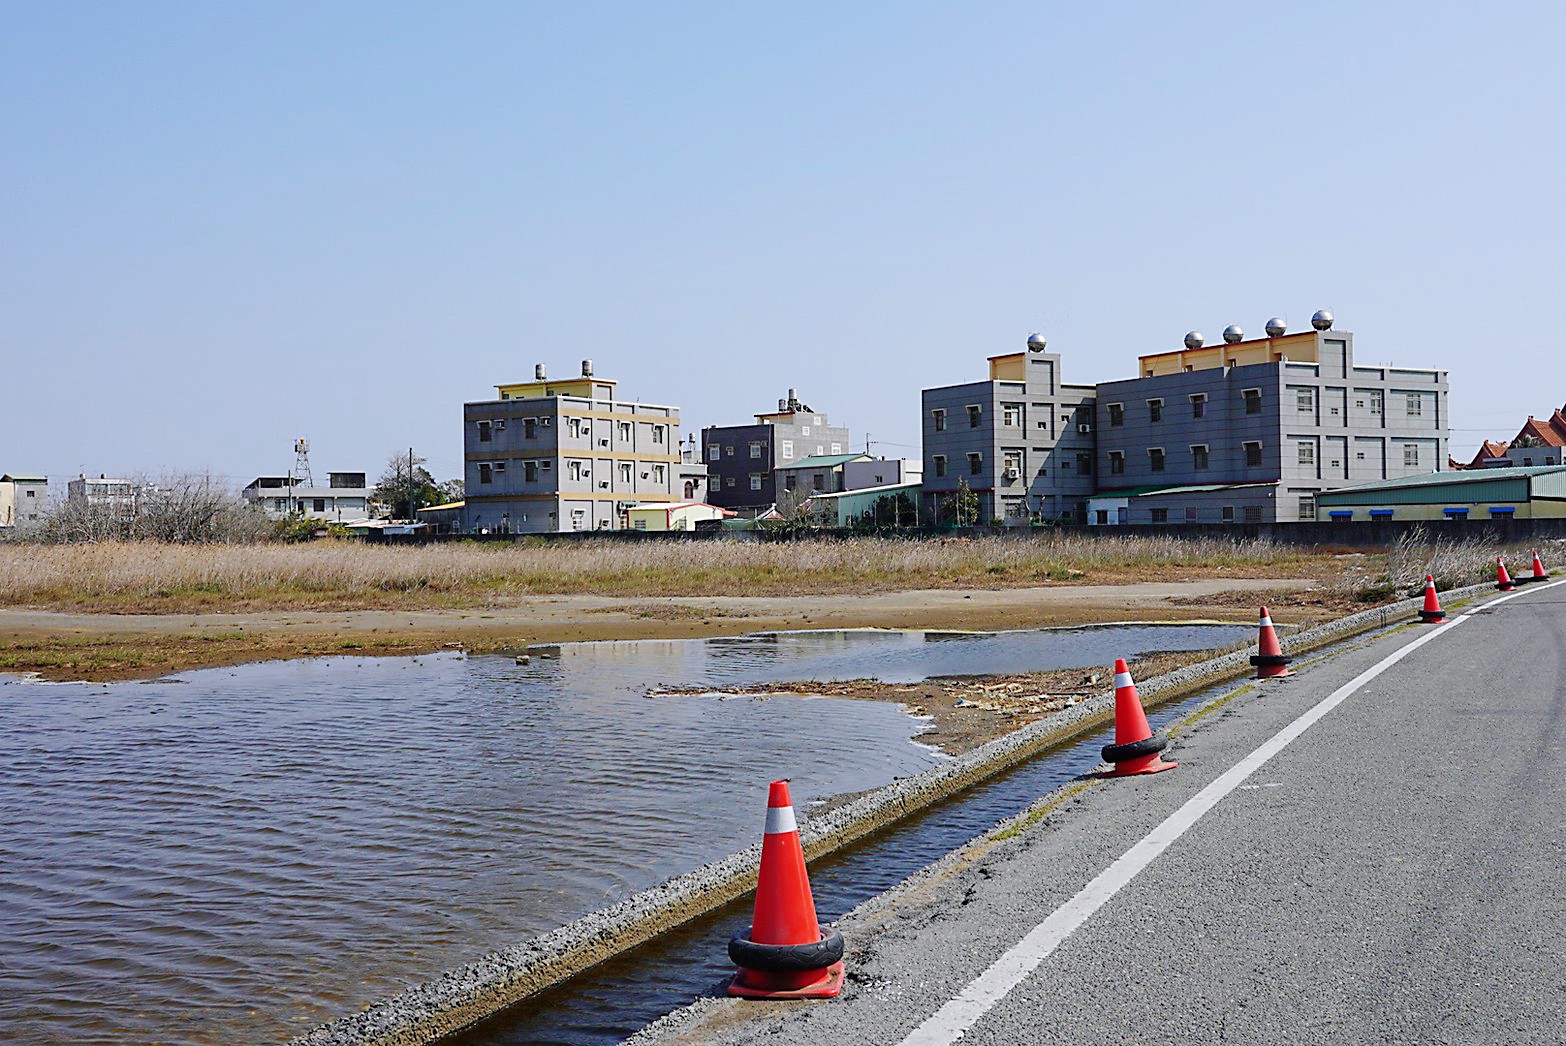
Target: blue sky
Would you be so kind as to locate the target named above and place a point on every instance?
(228, 225)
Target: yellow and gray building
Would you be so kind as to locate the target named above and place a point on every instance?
(566, 455)
(1471, 494)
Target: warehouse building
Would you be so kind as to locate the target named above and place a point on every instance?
(1477, 494)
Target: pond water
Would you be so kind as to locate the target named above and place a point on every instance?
(237, 854)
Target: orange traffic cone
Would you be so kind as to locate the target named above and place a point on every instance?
(1136, 747)
(1538, 569)
(785, 953)
(1269, 660)
(1432, 611)
(1503, 580)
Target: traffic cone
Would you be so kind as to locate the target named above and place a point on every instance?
(1538, 568)
(1432, 611)
(1136, 747)
(1503, 580)
(1269, 660)
(785, 953)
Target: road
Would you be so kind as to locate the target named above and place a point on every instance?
(1372, 850)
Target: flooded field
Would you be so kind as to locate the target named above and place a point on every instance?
(236, 854)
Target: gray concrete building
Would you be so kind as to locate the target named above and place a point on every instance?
(1254, 430)
(1022, 441)
(547, 456)
(345, 497)
(742, 459)
(121, 496)
(23, 497)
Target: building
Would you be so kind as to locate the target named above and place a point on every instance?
(547, 456)
(691, 476)
(345, 497)
(1472, 494)
(1255, 430)
(22, 500)
(442, 519)
(866, 471)
(1021, 441)
(891, 505)
(121, 496)
(825, 472)
(1539, 442)
(683, 516)
(742, 459)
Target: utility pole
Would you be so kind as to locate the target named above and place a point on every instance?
(410, 484)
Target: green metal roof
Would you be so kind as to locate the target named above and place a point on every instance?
(822, 461)
(22, 477)
(885, 488)
(1468, 486)
(1203, 488)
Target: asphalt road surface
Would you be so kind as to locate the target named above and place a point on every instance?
(1372, 850)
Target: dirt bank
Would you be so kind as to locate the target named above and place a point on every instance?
(129, 646)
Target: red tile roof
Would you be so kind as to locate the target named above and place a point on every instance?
(1551, 432)
(1488, 450)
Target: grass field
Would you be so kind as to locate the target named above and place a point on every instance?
(154, 578)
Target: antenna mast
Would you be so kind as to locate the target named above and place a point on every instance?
(301, 471)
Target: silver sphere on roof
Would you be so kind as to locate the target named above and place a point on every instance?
(1036, 342)
(1194, 339)
(1276, 328)
(1322, 320)
(1233, 333)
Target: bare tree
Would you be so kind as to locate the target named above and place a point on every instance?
(178, 508)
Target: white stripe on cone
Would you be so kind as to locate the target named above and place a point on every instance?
(780, 820)
(1266, 622)
(1123, 680)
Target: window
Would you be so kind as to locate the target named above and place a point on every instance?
(1011, 414)
(32, 493)
(486, 474)
(1375, 403)
(1305, 401)
(728, 481)
(1198, 456)
(1117, 415)
(1199, 405)
(530, 471)
(484, 433)
(624, 429)
(319, 505)
(975, 463)
(714, 452)
(575, 426)
(1190, 513)
(817, 481)
(1160, 515)
(1155, 458)
(529, 428)
(755, 481)
(820, 420)
(1155, 412)
(804, 430)
(788, 450)
(1253, 456)
(1226, 514)
(790, 481)
(657, 433)
(625, 472)
(940, 464)
(1252, 403)
(755, 450)
(660, 473)
(1416, 405)
(940, 419)
(545, 465)
(1253, 513)
(1085, 464)
(819, 450)
(1307, 453)
(1410, 455)
(837, 448)
(728, 450)
(1308, 505)
(975, 412)
(1117, 463)
(1012, 462)
(574, 468)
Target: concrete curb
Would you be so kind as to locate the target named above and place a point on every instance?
(467, 994)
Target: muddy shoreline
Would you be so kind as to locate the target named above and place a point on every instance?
(106, 647)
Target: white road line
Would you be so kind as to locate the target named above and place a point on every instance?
(948, 1024)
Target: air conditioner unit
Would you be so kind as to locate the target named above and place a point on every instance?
(1013, 473)
(645, 475)
(603, 484)
(603, 443)
(546, 422)
(1084, 427)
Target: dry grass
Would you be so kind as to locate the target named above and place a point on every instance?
(146, 577)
